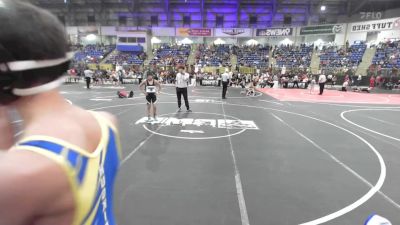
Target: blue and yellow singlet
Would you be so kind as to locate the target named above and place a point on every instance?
(91, 175)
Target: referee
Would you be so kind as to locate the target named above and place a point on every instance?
(88, 77)
(225, 77)
(321, 81)
(181, 83)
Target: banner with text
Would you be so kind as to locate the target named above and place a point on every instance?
(376, 25)
(196, 32)
(233, 32)
(324, 29)
(274, 32)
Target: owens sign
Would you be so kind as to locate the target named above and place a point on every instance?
(274, 32)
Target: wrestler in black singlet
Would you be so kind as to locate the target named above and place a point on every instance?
(151, 92)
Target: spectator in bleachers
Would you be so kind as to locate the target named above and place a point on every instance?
(173, 55)
(126, 58)
(252, 56)
(335, 57)
(387, 55)
(214, 55)
(293, 56)
(92, 53)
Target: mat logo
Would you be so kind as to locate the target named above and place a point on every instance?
(214, 123)
(206, 101)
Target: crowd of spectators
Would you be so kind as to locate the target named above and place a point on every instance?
(256, 55)
(171, 55)
(292, 56)
(126, 58)
(339, 57)
(333, 60)
(92, 53)
(166, 77)
(214, 55)
(387, 55)
(115, 77)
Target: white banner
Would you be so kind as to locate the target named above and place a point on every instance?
(72, 30)
(108, 31)
(163, 31)
(233, 32)
(376, 25)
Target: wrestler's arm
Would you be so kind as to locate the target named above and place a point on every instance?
(141, 86)
(32, 187)
(158, 85)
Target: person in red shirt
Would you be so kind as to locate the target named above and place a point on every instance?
(372, 82)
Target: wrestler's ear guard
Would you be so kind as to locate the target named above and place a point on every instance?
(6, 77)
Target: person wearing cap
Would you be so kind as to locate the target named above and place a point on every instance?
(225, 77)
(181, 83)
(62, 169)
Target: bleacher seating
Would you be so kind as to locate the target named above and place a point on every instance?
(334, 57)
(293, 56)
(92, 53)
(214, 55)
(253, 55)
(129, 58)
(387, 55)
(171, 55)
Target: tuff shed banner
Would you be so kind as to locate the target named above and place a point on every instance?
(274, 32)
(199, 32)
(376, 25)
